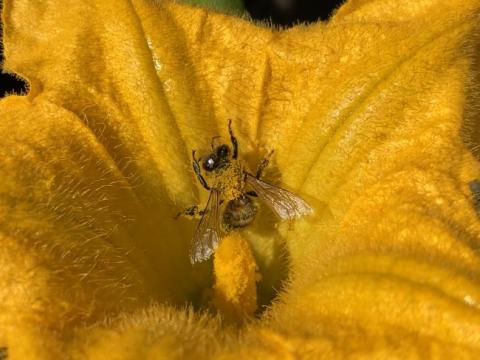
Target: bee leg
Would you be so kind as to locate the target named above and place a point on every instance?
(263, 164)
(233, 139)
(251, 193)
(196, 169)
(190, 212)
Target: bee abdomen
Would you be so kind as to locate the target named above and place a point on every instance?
(239, 213)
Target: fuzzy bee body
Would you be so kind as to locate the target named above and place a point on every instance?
(232, 186)
(229, 180)
(238, 213)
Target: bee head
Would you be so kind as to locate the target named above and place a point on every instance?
(217, 159)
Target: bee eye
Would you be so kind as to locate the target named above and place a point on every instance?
(223, 151)
(210, 163)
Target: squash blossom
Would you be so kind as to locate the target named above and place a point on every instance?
(373, 117)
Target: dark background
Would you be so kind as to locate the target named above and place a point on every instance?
(291, 12)
(279, 12)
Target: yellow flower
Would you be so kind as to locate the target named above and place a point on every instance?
(371, 117)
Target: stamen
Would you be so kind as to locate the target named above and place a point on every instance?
(235, 292)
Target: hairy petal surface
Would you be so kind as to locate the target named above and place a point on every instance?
(372, 118)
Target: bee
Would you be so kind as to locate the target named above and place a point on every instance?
(233, 187)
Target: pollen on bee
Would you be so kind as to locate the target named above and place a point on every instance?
(236, 275)
(232, 181)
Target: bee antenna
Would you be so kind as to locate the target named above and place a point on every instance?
(213, 141)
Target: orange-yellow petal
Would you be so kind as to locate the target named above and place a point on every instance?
(372, 114)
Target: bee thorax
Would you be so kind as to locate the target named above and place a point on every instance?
(230, 180)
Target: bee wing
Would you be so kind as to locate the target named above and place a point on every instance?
(206, 235)
(284, 203)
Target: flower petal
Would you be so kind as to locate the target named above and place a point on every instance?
(365, 114)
